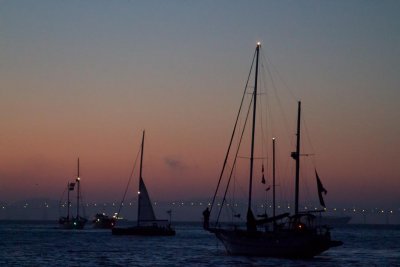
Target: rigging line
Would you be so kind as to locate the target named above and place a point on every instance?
(267, 60)
(61, 199)
(262, 130)
(82, 200)
(305, 170)
(267, 102)
(129, 181)
(256, 158)
(276, 91)
(264, 135)
(309, 140)
(307, 187)
(233, 209)
(269, 120)
(233, 134)
(236, 156)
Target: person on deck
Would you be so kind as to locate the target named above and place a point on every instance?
(206, 217)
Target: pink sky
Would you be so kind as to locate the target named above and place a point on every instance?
(78, 81)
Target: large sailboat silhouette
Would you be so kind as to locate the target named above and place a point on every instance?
(291, 236)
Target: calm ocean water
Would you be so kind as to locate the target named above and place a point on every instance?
(42, 244)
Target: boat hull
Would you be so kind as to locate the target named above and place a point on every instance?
(74, 223)
(103, 222)
(107, 224)
(144, 231)
(274, 244)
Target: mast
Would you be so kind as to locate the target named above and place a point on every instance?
(68, 202)
(78, 179)
(140, 177)
(296, 157)
(253, 130)
(273, 180)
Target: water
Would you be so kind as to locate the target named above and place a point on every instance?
(42, 244)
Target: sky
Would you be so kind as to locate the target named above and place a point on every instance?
(85, 78)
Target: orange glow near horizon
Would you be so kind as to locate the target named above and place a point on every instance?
(74, 83)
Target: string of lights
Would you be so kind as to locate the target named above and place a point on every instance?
(352, 209)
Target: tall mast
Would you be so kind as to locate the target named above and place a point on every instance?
(77, 198)
(141, 156)
(140, 177)
(68, 202)
(273, 179)
(296, 157)
(253, 128)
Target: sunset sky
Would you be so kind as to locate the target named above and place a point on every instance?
(85, 78)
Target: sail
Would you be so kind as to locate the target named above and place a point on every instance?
(146, 212)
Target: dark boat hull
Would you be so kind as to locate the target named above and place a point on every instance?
(103, 222)
(108, 224)
(144, 231)
(74, 223)
(274, 244)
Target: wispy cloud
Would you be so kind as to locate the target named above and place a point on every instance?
(174, 163)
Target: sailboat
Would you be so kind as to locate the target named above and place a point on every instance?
(147, 223)
(291, 236)
(69, 222)
(103, 221)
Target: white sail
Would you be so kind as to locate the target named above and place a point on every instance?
(146, 212)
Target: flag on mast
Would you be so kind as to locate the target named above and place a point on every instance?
(71, 186)
(321, 190)
(263, 177)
